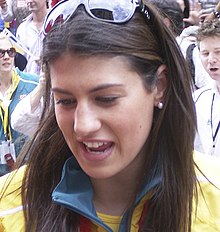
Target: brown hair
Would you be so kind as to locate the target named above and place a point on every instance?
(147, 44)
(208, 29)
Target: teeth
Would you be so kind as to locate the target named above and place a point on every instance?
(94, 144)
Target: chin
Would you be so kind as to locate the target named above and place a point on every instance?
(98, 174)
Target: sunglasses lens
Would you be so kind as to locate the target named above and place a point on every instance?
(2, 53)
(59, 14)
(117, 11)
(11, 52)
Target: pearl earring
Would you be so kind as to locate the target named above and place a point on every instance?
(160, 105)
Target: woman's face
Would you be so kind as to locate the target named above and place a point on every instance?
(6, 62)
(103, 111)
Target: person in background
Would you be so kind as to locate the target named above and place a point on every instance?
(115, 150)
(193, 19)
(185, 8)
(173, 19)
(172, 14)
(26, 115)
(201, 11)
(207, 99)
(13, 10)
(31, 35)
(14, 85)
(214, 14)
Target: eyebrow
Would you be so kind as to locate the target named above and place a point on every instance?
(59, 90)
(105, 86)
(98, 88)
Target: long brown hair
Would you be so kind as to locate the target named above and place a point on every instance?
(147, 43)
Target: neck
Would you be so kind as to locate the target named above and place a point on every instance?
(110, 197)
(5, 79)
(116, 194)
(38, 18)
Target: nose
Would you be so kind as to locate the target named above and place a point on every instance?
(86, 121)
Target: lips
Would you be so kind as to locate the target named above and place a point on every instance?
(213, 69)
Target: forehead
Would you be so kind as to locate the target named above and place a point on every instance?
(210, 42)
(5, 43)
(210, 39)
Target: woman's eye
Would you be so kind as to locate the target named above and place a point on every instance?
(66, 102)
(107, 99)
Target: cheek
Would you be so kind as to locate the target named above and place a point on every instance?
(204, 61)
(64, 119)
(135, 128)
(144, 122)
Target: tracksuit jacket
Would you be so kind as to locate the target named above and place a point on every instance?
(26, 84)
(206, 219)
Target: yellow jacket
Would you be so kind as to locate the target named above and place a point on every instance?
(208, 210)
(207, 218)
(11, 210)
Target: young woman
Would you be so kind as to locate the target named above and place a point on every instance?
(114, 152)
(14, 85)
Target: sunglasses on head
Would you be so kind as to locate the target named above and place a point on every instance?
(11, 52)
(114, 11)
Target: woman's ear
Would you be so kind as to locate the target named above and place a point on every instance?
(161, 85)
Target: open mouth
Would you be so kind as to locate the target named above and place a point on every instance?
(213, 69)
(97, 147)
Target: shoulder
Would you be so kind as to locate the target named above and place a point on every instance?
(10, 183)
(11, 210)
(204, 91)
(28, 77)
(209, 165)
(26, 21)
(23, 25)
(207, 213)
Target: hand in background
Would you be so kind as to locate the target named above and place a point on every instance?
(42, 84)
(195, 12)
